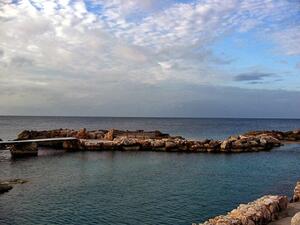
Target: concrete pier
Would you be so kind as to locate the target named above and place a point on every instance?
(24, 148)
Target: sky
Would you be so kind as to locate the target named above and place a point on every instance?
(160, 58)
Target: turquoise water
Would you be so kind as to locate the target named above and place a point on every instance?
(143, 187)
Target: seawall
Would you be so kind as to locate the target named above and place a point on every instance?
(113, 139)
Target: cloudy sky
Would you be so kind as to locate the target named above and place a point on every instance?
(186, 58)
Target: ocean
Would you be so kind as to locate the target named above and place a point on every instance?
(142, 187)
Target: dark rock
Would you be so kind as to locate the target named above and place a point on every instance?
(24, 150)
(5, 188)
(71, 145)
(7, 185)
(14, 181)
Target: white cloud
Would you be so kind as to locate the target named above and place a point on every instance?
(288, 40)
(63, 45)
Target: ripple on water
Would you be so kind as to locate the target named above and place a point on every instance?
(141, 187)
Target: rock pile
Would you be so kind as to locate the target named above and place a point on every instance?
(157, 141)
(296, 197)
(258, 142)
(233, 144)
(80, 134)
(262, 211)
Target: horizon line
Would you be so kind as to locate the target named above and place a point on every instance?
(154, 117)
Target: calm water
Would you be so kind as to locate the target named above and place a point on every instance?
(142, 187)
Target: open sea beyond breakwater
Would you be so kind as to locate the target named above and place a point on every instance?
(142, 187)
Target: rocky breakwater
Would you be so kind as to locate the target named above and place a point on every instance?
(61, 133)
(91, 140)
(179, 144)
(249, 143)
(262, 211)
(83, 133)
(157, 141)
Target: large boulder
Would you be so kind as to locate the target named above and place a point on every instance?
(225, 146)
(296, 219)
(24, 135)
(82, 134)
(296, 197)
(110, 135)
(170, 145)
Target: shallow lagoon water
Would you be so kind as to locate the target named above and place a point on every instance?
(141, 187)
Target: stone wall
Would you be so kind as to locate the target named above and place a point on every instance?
(260, 212)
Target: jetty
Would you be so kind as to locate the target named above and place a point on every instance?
(27, 141)
(20, 148)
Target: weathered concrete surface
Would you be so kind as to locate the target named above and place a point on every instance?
(287, 215)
